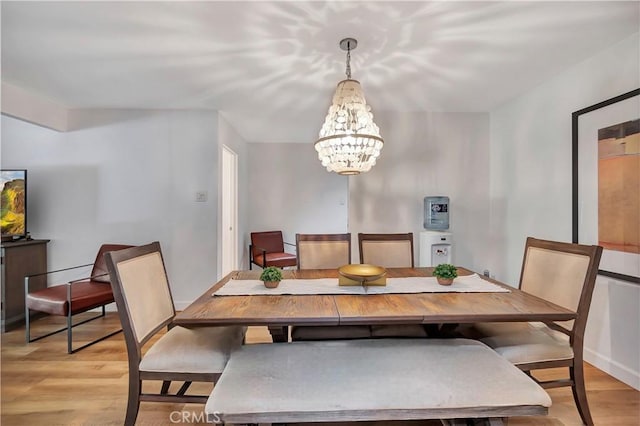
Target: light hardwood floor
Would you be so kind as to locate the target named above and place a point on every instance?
(42, 385)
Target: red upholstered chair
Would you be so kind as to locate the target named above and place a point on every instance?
(267, 249)
(74, 297)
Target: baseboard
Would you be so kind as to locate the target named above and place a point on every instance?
(613, 368)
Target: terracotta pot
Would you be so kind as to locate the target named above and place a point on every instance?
(271, 284)
(444, 281)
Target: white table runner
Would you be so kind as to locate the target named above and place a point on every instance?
(462, 284)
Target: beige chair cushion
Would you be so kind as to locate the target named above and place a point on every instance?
(390, 254)
(146, 291)
(322, 254)
(198, 350)
(523, 343)
(330, 332)
(400, 330)
(555, 276)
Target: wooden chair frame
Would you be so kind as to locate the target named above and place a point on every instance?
(134, 348)
(319, 238)
(576, 333)
(385, 237)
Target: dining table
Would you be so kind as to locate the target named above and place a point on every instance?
(442, 306)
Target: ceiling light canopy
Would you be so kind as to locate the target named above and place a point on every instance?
(350, 141)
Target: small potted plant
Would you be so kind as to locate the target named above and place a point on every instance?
(271, 276)
(445, 273)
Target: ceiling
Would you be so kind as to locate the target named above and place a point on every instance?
(271, 67)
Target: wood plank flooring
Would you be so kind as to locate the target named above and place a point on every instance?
(42, 385)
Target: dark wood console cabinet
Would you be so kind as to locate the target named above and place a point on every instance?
(19, 259)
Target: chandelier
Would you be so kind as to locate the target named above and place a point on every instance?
(349, 141)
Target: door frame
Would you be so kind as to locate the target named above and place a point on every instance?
(228, 166)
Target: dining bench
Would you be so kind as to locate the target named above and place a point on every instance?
(372, 380)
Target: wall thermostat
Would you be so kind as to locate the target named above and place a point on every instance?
(436, 213)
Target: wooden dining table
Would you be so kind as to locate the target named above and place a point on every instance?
(280, 311)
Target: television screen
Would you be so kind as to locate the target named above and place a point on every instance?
(13, 204)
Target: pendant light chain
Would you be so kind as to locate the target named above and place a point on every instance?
(348, 61)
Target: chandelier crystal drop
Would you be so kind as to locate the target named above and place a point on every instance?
(349, 142)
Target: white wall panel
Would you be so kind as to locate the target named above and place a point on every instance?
(289, 190)
(428, 154)
(531, 191)
(124, 177)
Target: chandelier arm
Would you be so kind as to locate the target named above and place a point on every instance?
(354, 135)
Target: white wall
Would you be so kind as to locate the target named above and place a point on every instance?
(531, 192)
(290, 191)
(33, 108)
(124, 177)
(428, 154)
(424, 154)
(228, 136)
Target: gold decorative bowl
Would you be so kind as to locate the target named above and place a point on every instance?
(362, 273)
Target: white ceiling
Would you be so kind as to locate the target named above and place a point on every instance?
(271, 67)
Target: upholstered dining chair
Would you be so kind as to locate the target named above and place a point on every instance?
(73, 297)
(564, 274)
(323, 251)
(145, 305)
(388, 250)
(267, 249)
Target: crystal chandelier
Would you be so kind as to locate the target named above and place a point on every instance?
(350, 141)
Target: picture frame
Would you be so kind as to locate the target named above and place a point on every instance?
(619, 263)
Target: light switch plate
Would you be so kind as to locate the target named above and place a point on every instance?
(201, 196)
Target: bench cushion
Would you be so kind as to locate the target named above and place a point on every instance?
(85, 295)
(372, 379)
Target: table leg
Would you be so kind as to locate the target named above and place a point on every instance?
(279, 334)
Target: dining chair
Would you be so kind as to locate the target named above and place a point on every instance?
(72, 298)
(390, 251)
(387, 250)
(565, 274)
(145, 305)
(323, 251)
(267, 249)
